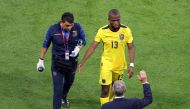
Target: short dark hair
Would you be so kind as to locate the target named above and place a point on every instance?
(67, 16)
(114, 12)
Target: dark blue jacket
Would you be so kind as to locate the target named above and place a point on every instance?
(54, 36)
(132, 103)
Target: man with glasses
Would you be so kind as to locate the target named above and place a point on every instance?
(67, 39)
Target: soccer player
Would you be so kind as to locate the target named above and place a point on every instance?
(67, 39)
(114, 37)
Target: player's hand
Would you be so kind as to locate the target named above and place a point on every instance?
(40, 65)
(75, 52)
(80, 65)
(130, 72)
(142, 76)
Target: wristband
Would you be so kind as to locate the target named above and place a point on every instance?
(41, 58)
(132, 65)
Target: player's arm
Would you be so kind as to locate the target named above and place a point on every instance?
(147, 91)
(131, 52)
(82, 37)
(46, 44)
(88, 53)
(81, 42)
(42, 53)
(131, 57)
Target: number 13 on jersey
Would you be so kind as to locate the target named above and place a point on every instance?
(114, 44)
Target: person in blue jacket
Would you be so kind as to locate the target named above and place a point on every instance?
(67, 38)
(120, 102)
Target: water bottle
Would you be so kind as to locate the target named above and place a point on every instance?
(40, 69)
(79, 42)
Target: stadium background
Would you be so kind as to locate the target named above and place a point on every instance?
(161, 34)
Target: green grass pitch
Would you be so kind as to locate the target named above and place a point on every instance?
(161, 36)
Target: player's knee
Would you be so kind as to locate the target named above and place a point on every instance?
(105, 92)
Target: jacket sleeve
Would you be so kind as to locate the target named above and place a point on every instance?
(82, 35)
(48, 38)
(141, 103)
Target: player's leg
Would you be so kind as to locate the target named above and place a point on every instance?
(104, 94)
(111, 94)
(116, 75)
(105, 81)
(57, 86)
(69, 79)
(69, 76)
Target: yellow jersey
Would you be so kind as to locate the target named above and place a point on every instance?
(114, 43)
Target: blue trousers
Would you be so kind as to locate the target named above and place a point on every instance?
(63, 76)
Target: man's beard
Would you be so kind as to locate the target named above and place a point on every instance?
(113, 28)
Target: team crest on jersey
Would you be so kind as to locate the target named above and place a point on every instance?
(74, 33)
(121, 36)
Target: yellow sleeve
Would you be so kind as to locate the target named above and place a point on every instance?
(129, 36)
(98, 36)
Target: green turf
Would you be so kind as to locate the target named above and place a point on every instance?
(161, 35)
